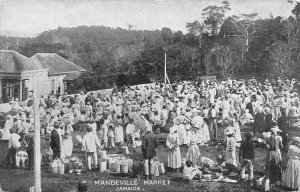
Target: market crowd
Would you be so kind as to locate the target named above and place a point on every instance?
(194, 114)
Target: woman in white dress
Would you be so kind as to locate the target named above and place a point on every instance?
(174, 156)
(193, 153)
(181, 120)
(292, 176)
(7, 127)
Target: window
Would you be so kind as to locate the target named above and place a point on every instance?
(53, 85)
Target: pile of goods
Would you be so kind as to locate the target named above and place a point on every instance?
(21, 159)
(117, 163)
(67, 165)
(215, 172)
(159, 167)
(57, 167)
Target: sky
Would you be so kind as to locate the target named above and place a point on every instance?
(28, 18)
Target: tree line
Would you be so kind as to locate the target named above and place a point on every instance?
(237, 45)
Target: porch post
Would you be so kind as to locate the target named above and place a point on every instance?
(21, 91)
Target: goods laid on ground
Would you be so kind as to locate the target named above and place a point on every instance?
(117, 163)
(66, 165)
(159, 167)
(21, 159)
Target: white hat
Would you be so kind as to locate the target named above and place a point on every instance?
(275, 129)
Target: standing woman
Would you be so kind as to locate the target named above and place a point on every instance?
(193, 153)
(7, 126)
(273, 167)
(292, 177)
(119, 130)
(259, 121)
(174, 156)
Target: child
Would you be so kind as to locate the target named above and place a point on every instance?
(90, 144)
(247, 156)
(190, 172)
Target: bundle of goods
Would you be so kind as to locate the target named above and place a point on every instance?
(57, 167)
(21, 159)
(206, 162)
(263, 184)
(102, 161)
(217, 177)
(72, 164)
(118, 163)
(159, 167)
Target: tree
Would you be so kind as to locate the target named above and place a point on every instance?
(280, 56)
(3, 44)
(214, 17)
(245, 24)
(223, 58)
(296, 10)
(196, 28)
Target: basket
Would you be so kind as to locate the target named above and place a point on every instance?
(124, 167)
(103, 166)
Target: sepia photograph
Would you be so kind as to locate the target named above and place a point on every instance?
(149, 95)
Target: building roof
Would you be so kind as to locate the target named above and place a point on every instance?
(55, 63)
(13, 62)
(71, 76)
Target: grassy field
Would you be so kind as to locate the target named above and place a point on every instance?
(22, 180)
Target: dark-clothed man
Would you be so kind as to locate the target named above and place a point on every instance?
(55, 140)
(149, 145)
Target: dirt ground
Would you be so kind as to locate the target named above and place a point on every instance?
(22, 180)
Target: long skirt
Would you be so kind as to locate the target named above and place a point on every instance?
(119, 134)
(193, 154)
(273, 168)
(203, 133)
(174, 158)
(292, 174)
(182, 134)
(231, 157)
(5, 134)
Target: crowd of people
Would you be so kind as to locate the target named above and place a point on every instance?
(193, 113)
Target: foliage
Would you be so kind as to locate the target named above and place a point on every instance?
(219, 44)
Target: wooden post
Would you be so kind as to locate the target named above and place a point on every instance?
(165, 68)
(37, 142)
(21, 91)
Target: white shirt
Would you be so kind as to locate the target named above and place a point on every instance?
(90, 142)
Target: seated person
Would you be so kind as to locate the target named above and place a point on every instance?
(247, 118)
(190, 172)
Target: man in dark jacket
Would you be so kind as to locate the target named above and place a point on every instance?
(249, 106)
(247, 155)
(55, 140)
(283, 126)
(149, 145)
